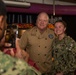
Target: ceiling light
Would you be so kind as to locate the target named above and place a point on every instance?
(16, 3)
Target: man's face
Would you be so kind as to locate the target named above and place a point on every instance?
(2, 26)
(42, 21)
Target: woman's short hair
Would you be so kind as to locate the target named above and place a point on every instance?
(63, 22)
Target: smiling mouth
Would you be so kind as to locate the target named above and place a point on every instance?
(57, 31)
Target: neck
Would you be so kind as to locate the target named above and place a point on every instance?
(61, 36)
(42, 30)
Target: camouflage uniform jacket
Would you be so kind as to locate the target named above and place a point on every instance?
(12, 66)
(64, 53)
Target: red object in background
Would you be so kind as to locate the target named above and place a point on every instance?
(32, 63)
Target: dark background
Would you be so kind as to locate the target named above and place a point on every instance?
(69, 19)
(71, 25)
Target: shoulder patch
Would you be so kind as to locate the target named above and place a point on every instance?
(51, 36)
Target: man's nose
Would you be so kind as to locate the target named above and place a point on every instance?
(42, 22)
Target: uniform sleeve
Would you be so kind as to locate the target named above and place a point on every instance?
(23, 40)
(12, 66)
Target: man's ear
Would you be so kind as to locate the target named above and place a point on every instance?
(1, 17)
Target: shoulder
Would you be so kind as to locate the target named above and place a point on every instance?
(31, 30)
(70, 42)
(69, 39)
(50, 30)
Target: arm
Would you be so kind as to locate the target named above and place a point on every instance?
(21, 53)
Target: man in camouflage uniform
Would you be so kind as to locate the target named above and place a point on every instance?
(8, 64)
(64, 51)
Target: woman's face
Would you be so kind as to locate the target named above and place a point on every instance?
(59, 28)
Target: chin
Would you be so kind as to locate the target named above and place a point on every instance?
(43, 28)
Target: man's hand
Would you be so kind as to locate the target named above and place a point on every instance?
(16, 52)
(21, 53)
(2, 42)
(9, 51)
